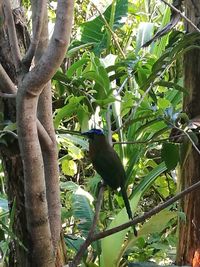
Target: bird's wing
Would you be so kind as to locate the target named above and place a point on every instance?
(109, 166)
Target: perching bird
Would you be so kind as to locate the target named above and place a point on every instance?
(108, 164)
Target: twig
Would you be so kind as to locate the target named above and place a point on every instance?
(110, 30)
(136, 107)
(108, 122)
(141, 100)
(182, 15)
(4, 95)
(188, 136)
(12, 34)
(89, 238)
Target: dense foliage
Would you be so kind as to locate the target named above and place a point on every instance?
(109, 80)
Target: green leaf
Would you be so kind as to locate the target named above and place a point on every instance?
(172, 85)
(67, 110)
(74, 243)
(95, 31)
(157, 223)
(170, 155)
(76, 46)
(112, 257)
(69, 167)
(84, 214)
(69, 185)
(75, 66)
(74, 139)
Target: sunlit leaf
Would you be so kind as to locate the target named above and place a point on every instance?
(69, 167)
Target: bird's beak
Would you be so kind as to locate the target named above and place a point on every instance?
(85, 133)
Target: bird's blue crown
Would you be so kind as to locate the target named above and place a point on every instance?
(95, 131)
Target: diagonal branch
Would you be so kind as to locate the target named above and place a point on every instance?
(89, 238)
(12, 34)
(181, 15)
(6, 85)
(44, 137)
(136, 220)
(148, 214)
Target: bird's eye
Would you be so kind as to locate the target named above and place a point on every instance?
(91, 136)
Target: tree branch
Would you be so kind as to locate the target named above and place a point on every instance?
(181, 15)
(34, 181)
(38, 8)
(44, 137)
(55, 52)
(136, 220)
(49, 153)
(89, 238)
(148, 214)
(12, 34)
(6, 84)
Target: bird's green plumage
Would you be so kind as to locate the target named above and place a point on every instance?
(108, 164)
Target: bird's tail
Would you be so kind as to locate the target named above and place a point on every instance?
(128, 207)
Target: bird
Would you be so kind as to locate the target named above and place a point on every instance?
(108, 165)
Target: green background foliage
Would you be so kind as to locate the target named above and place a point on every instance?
(134, 93)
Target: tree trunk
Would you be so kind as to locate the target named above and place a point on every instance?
(10, 154)
(188, 251)
(30, 157)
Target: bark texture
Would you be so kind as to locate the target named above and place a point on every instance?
(10, 153)
(33, 163)
(189, 232)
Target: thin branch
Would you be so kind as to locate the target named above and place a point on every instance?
(6, 83)
(148, 214)
(89, 238)
(108, 123)
(12, 34)
(141, 100)
(111, 31)
(181, 14)
(138, 219)
(188, 136)
(9, 132)
(136, 107)
(4, 95)
(38, 8)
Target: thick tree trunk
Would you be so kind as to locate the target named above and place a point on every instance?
(188, 251)
(35, 187)
(11, 159)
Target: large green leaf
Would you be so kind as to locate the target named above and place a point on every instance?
(84, 214)
(156, 224)
(111, 257)
(67, 110)
(94, 31)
